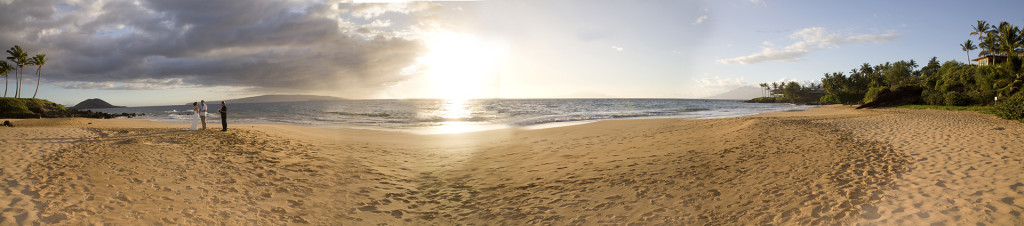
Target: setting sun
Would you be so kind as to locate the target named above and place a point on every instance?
(461, 66)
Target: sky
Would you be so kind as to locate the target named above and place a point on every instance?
(153, 52)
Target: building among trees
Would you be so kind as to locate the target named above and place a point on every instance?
(990, 60)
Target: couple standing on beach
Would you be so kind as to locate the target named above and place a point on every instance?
(199, 114)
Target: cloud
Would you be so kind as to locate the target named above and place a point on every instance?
(718, 83)
(372, 10)
(139, 84)
(616, 48)
(700, 20)
(266, 45)
(811, 39)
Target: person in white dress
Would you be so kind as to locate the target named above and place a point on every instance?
(195, 116)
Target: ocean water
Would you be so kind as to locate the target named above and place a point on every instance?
(454, 116)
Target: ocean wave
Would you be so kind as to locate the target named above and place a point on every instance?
(182, 117)
(429, 113)
(593, 117)
(381, 115)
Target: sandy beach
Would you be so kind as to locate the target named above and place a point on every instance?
(826, 165)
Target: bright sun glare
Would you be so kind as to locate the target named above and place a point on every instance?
(461, 66)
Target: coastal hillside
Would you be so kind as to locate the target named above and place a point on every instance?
(94, 103)
(41, 108)
(282, 98)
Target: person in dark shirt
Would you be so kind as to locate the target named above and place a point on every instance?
(223, 116)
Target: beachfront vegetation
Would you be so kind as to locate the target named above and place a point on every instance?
(967, 47)
(1011, 108)
(19, 57)
(951, 83)
(24, 107)
(38, 60)
(5, 68)
(789, 92)
(40, 108)
(982, 109)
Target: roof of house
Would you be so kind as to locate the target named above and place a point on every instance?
(989, 56)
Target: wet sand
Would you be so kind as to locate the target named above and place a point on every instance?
(828, 165)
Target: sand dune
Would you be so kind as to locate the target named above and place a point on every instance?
(829, 165)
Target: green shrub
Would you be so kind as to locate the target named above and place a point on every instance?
(25, 107)
(851, 98)
(1011, 108)
(933, 97)
(829, 99)
(955, 99)
(979, 98)
(10, 105)
(872, 94)
(767, 100)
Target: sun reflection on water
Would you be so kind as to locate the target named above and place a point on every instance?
(456, 109)
(454, 112)
(457, 117)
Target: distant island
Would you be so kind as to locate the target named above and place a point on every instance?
(94, 103)
(280, 98)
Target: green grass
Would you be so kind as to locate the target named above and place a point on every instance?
(24, 107)
(980, 109)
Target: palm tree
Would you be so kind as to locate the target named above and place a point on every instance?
(38, 60)
(20, 59)
(913, 65)
(4, 68)
(1008, 39)
(1013, 86)
(982, 30)
(764, 87)
(967, 47)
(866, 68)
(988, 45)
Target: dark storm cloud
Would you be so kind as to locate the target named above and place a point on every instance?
(263, 44)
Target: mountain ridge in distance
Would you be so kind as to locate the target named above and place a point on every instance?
(741, 93)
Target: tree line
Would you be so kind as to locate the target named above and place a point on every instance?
(792, 92)
(19, 59)
(950, 83)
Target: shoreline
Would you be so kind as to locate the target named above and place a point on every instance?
(455, 127)
(824, 165)
(436, 116)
